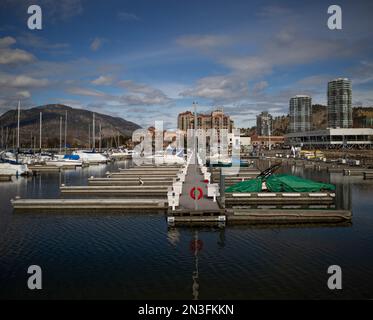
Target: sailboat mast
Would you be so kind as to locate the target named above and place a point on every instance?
(60, 134)
(6, 137)
(40, 124)
(65, 131)
(19, 113)
(100, 138)
(93, 134)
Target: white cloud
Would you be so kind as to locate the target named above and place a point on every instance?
(260, 86)
(203, 41)
(21, 81)
(103, 80)
(251, 66)
(7, 42)
(142, 94)
(23, 94)
(39, 43)
(96, 44)
(128, 16)
(13, 56)
(87, 92)
(137, 94)
(219, 88)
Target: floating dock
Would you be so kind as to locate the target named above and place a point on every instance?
(275, 198)
(278, 216)
(114, 191)
(368, 175)
(189, 195)
(74, 205)
(5, 177)
(119, 182)
(357, 172)
(45, 168)
(252, 208)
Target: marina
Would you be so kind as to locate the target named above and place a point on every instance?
(191, 194)
(186, 158)
(240, 225)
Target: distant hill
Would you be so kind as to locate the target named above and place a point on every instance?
(78, 122)
(362, 117)
(319, 117)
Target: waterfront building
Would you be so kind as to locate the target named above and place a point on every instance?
(339, 103)
(215, 120)
(300, 111)
(264, 124)
(332, 138)
(267, 141)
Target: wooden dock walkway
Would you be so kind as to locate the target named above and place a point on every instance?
(194, 179)
(115, 191)
(278, 216)
(121, 205)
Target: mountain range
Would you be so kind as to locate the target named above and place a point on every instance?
(79, 126)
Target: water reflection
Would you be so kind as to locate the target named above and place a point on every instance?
(138, 257)
(196, 246)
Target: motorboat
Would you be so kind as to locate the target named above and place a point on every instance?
(66, 160)
(121, 154)
(7, 168)
(91, 157)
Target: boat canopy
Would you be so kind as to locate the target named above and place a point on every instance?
(71, 157)
(281, 183)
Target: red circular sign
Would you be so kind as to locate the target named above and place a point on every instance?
(193, 193)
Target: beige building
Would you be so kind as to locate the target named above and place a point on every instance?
(216, 120)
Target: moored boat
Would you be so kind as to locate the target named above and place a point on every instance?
(13, 169)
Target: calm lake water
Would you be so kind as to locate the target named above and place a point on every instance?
(138, 257)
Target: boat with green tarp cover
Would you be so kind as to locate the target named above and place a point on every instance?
(280, 183)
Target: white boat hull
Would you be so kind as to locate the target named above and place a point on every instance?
(62, 163)
(13, 169)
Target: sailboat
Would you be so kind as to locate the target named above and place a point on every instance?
(121, 154)
(12, 166)
(91, 157)
(66, 160)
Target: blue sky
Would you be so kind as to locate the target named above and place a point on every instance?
(148, 60)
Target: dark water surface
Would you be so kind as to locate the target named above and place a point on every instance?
(138, 257)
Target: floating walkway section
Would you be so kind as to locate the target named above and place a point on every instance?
(133, 190)
(82, 205)
(158, 181)
(190, 194)
(215, 206)
(279, 198)
(142, 191)
(5, 177)
(282, 216)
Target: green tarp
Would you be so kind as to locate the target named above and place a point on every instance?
(287, 183)
(253, 185)
(281, 183)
